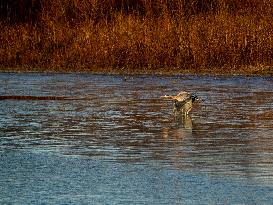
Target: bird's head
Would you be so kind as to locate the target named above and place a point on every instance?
(194, 97)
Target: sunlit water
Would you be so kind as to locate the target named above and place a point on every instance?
(116, 141)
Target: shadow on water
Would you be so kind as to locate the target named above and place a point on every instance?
(18, 97)
(230, 133)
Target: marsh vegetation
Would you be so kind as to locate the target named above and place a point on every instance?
(215, 36)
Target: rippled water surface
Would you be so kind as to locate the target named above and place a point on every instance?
(114, 141)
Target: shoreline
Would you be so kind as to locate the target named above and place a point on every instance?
(266, 71)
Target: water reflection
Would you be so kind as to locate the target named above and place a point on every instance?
(230, 133)
(183, 128)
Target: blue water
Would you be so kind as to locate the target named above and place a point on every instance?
(116, 142)
(39, 178)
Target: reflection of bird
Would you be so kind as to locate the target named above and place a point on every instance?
(182, 102)
(178, 132)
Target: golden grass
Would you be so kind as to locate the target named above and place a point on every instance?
(92, 35)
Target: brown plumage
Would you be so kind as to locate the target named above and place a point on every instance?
(182, 102)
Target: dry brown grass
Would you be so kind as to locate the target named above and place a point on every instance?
(91, 35)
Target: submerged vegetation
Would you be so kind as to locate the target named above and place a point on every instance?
(217, 36)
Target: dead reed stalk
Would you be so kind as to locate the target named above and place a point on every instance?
(142, 35)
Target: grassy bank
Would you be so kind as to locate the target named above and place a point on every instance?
(148, 36)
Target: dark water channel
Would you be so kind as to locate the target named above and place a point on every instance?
(115, 140)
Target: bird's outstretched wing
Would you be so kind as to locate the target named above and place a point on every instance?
(180, 97)
(167, 97)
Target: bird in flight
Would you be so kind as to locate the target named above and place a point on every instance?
(182, 102)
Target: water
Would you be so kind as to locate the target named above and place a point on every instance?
(116, 141)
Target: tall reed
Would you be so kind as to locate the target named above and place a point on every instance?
(142, 35)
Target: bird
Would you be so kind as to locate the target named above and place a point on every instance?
(182, 102)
